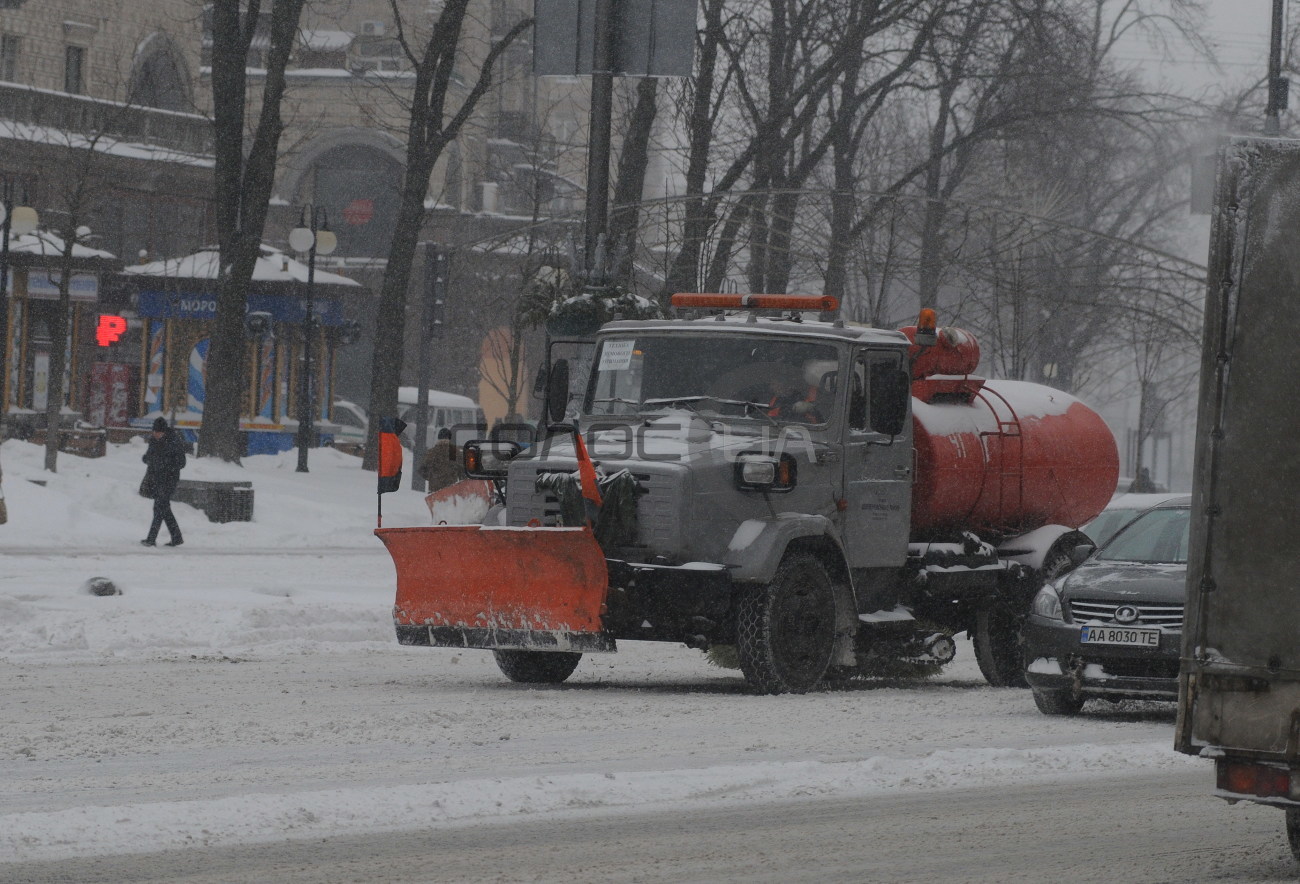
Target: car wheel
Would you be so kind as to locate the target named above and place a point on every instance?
(1293, 830)
(785, 631)
(537, 667)
(1058, 702)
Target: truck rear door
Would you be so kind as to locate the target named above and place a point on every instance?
(1240, 675)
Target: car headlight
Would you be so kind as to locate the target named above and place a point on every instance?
(1047, 603)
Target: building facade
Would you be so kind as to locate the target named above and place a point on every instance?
(115, 95)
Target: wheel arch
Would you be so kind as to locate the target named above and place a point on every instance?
(1032, 550)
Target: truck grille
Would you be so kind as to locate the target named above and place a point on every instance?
(1168, 616)
(659, 520)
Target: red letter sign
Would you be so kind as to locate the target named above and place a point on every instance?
(109, 329)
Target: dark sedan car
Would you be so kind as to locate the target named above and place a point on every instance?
(1112, 627)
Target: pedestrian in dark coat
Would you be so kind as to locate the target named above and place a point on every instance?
(441, 466)
(165, 459)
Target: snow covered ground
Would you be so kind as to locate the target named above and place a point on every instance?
(246, 688)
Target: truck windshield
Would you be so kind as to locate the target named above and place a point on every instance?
(1155, 537)
(763, 378)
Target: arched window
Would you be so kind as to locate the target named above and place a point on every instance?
(360, 187)
(159, 77)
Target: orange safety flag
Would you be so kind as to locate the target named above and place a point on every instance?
(587, 477)
(390, 454)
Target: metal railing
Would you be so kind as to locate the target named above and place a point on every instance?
(82, 115)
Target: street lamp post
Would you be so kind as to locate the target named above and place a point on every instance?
(313, 237)
(16, 220)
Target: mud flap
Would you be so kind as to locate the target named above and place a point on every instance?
(469, 586)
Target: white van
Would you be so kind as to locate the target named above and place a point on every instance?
(460, 414)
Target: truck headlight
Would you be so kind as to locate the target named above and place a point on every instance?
(755, 471)
(489, 458)
(1047, 603)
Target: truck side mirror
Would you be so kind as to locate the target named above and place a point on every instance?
(557, 390)
(890, 392)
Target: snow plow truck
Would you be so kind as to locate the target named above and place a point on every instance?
(759, 479)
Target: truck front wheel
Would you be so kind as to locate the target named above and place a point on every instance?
(785, 631)
(537, 667)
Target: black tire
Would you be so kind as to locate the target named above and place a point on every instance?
(996, 641)
(999, 650)
(1293, 831)
(537, 667)
(1058, 702)
(785, 631)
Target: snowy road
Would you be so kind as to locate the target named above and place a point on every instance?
(242, 713)
(355, 758)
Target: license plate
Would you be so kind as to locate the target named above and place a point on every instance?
(1120, 635)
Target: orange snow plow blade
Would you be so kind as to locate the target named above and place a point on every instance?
(466, 586)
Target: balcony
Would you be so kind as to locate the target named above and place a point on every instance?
(169, 130)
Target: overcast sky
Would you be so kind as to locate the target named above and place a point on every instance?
(1238, 30)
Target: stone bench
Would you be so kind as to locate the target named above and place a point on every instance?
(220, 501)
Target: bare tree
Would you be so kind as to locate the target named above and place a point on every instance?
(434, 122)
(244, 176)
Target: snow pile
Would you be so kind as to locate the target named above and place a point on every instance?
(92, 503)
(321, 577)
(262, 818)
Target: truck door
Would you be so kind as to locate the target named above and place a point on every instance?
(877, 467)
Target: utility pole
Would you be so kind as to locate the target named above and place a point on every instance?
(435, 280)
(1277, 87)
(602, 105)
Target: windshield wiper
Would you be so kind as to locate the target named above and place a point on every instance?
(688, 401)
(762, 408)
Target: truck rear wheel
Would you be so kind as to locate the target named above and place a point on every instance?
(996, 637)
(996, 640)
(785, 631)
(537, 667)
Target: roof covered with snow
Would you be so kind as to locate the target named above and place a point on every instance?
(273, 266)
(42, 242)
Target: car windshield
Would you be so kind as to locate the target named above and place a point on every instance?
(760, 377)
(1155, 537)
(1107, 525)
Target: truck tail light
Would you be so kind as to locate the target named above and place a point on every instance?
(1250, 778)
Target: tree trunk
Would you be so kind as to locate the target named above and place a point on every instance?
(59, 356)
(390, 315)
(632, 163)
(243, 184)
